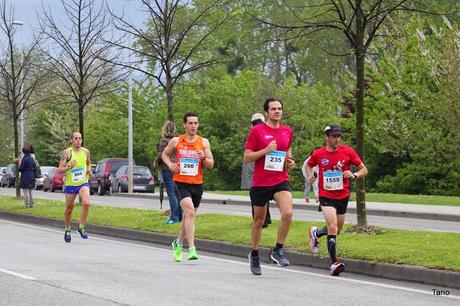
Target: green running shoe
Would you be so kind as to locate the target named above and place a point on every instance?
(192, 255)
(177, 250)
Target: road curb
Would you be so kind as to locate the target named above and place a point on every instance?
(442, 278)
(314, 207)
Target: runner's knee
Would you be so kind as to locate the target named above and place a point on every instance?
(286, 215)
(332, 229)
(258, 221)
(189, 213)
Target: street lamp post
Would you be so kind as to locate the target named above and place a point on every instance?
(21, 116)
(130, 115)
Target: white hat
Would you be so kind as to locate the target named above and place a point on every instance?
(258, 116)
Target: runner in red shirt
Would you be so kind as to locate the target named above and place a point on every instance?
(269, 146)
(334, 161)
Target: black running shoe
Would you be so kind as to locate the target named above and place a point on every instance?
(279, 257)
(82, 233)
(254, 264)
(67, 237)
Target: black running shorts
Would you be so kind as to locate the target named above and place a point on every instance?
(260, 195)
(194, 191)
(339, 205)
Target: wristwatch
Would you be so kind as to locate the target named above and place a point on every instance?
(355, 175)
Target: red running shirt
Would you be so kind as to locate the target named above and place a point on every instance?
(339, 160)
(259, 138)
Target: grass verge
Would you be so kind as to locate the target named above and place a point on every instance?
(376, 197)
(420, 248)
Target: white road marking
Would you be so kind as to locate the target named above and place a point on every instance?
(324, 276)
(20, 275)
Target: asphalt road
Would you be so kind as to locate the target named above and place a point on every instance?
(390, 222)
(38, 268)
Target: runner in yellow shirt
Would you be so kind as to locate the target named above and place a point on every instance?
(76, 164)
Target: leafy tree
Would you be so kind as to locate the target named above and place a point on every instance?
(414, 109)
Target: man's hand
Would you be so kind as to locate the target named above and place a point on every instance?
(174, 168)
(201, 154)
(290, 163)
(348, 175)
(271, 146)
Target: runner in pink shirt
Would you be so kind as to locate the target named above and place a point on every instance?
(269, 146)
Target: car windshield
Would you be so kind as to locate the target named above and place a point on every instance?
(46, 170)
(143, 171)
(116, 164)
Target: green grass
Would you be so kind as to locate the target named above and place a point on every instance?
(427, 249)
(379, 197)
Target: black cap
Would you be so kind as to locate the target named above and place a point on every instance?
(334, 130)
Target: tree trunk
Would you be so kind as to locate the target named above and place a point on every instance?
(16, 154)
(80, 121)
(360, 56)
(170, 99)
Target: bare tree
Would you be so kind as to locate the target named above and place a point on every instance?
(359, 21)
(176, 32)
(80, 53)
(20, 75)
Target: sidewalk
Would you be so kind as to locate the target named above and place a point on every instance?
(415, 211)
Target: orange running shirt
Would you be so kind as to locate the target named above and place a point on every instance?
(191, 167)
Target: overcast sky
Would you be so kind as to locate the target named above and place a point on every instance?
(26, 11)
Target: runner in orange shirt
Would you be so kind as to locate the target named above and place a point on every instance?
(193, 152)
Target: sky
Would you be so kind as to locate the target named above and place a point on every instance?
(26, 11)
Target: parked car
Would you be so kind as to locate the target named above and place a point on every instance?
(9, 177)
(105, 169)
(53, 181)
(143, 180)
(46, 170)
(2, 171)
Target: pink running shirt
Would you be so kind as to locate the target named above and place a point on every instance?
(259, 138)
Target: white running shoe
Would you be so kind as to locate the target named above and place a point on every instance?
(314, 241)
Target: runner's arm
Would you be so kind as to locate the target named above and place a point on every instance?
(63, 167)
(250, 156)
(88, 163)
(362, 171)
(310, 173)
(289, 159)
(208, 160)
(168, 151)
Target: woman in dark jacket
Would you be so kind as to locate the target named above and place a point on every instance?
(27, 180)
